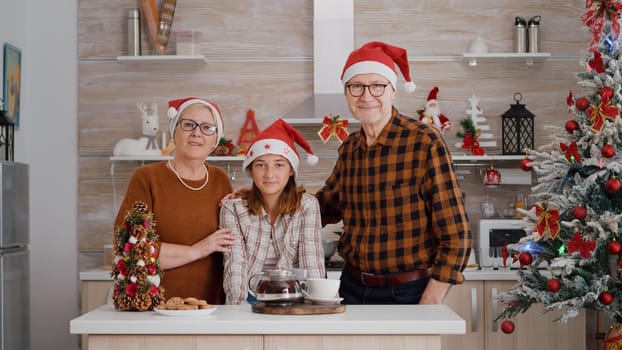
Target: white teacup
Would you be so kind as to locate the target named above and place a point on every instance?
(321, 288)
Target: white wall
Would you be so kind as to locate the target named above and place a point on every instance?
(47, 140)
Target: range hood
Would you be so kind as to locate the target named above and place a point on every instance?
(333, 40)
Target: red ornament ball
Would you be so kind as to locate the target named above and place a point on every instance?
(614, 247)
(553, 285)
(605, 298)
(525, 258)
(572, 126)
(579, 212)
(608, 151)
(507, 327)
(606, 92)
(582, 103)
(612, 185)
(524, 166)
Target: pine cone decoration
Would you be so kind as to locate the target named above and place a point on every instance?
(140, 208)
(143, 302)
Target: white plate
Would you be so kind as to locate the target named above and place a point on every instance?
(322, 301)
(184, 313)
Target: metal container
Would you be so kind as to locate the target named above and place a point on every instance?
(520, 35)
(534, 33)
(133, 32)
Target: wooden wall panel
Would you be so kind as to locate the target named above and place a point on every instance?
(260, 57)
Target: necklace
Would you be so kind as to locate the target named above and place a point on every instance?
(170, 166)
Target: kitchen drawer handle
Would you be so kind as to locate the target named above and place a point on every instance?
(473, 310)
(495, 309)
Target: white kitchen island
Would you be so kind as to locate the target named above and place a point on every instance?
(360, 327)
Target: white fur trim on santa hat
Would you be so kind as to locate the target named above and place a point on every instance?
(312, 159)
(410, 86)
(271, 146)
(175, 114)
(365, 67)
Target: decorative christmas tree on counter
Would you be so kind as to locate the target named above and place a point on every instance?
(576, 221)
(136, 272)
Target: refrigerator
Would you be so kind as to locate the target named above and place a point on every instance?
(14, 257)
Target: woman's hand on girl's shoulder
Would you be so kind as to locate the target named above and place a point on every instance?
(237, 192)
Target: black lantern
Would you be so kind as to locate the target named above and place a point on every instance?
(7, 132)
(517, 128)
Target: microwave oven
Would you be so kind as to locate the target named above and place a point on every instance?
(497, 233)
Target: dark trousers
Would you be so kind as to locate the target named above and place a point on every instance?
(353, 291)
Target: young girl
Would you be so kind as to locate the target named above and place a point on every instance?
(276, 224)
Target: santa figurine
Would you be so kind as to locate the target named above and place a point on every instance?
(432, 115)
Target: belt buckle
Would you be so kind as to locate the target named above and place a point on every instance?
(369, 279)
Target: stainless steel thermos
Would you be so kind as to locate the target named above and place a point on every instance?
(133, 32)
(534, 33)
(520, 35)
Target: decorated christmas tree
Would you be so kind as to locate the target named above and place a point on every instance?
(576, 221)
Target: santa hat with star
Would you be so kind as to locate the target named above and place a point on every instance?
(279, 139)
(380, 58)
(176, 107)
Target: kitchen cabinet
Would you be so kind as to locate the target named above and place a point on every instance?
(475, 302)
(94, 294)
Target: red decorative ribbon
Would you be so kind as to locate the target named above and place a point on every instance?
(598, 114)
(578, 244)
(596, 15)
(548, 220)
(596, 63)
(333, 126)
(572, 151)
(570, 101)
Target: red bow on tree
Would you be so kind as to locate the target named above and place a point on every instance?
(595, 16)
(570, 101)
(333, 126)
(596, 63)
(548, 220)
(578, 244)
(597, 114)
(572, 151)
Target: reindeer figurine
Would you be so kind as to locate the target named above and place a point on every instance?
(146, 145)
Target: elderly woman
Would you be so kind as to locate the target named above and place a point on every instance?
(184, 195)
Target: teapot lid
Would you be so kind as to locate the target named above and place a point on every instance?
(281, 275)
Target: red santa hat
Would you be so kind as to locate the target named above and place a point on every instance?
(379, 58)
(279, 139)
(176, 107)
(433, 93)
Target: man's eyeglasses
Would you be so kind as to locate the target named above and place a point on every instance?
(189, 125)
(357, 90)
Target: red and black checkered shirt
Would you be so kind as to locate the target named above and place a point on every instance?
(400, 203)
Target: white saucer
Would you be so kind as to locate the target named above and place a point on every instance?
(323, 301)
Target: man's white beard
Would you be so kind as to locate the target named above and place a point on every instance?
(433, 110)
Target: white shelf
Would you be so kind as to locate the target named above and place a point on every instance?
(528, 58)
(160, 158)
(191, 59)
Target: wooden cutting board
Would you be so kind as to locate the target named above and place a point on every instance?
(298, 309)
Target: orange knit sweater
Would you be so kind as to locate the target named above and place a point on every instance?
(184, 217)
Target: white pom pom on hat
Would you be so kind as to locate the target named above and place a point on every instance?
(177, 106)
(279, 139)
(379, 58)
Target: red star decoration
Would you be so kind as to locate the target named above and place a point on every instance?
(267, 146)
(286, 151)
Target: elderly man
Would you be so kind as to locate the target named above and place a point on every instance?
(406, 233)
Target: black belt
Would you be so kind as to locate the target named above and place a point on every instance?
(390, 280)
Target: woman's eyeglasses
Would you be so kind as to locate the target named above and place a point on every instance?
(357, 90)
(189, 125)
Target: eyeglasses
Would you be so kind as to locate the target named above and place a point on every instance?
(357, 90)
(189, 125)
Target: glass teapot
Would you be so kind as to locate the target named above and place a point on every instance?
(275, 286)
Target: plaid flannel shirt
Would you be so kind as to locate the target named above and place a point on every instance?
(400, 202)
